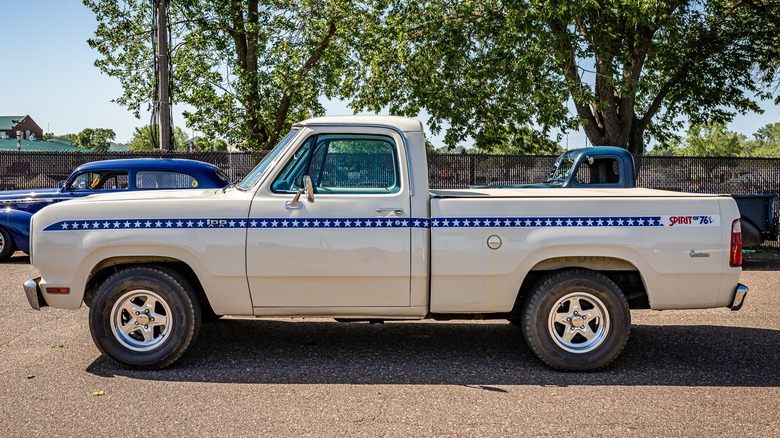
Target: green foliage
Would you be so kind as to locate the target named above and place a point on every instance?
(633, 70)
(97, 139)
(249, 67)
(766, 142)
(203, 144)
(715, 140)
(144, 140)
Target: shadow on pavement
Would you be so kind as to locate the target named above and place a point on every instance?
(761, 261)
(280, 352)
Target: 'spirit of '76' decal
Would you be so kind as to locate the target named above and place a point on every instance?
(691, 221)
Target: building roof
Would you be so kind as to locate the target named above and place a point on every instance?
(7, 124)
(9, 144)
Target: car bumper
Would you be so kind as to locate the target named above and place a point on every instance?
(739, 297)
(34, 295)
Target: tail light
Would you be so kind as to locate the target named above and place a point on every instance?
(735, 259)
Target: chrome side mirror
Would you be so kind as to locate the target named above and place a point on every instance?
(308, 188)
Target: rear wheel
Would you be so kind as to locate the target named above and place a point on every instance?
(6, 245)
(144, 317)
(576, 320)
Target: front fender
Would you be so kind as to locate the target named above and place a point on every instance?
(17, 224)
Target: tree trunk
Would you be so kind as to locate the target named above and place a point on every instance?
(636, 139)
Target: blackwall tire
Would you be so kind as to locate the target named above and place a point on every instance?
(576, 320)
(144, 317)
(6, 246)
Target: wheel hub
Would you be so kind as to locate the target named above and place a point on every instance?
(576, 321)
(143, 318)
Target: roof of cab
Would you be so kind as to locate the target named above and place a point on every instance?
(403, 123)
(597, 150)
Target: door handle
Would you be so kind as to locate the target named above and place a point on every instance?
(395, 211)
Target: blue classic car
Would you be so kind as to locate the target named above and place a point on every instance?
(108, 176)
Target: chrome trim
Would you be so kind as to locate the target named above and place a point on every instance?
(372, 125)
(33, 292)
(739, 297)
(395, 211)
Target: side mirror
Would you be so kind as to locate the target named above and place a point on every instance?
(61, 184)
(308, 188)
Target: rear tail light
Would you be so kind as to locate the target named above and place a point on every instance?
(735, 259)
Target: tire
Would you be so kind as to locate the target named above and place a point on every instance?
(168, 322)
(576, 320)
(7, 246)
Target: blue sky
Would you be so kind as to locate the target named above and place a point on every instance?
(53, 78)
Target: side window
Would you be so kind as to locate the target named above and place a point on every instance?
(155, 179)
(599, 171)
(344, 164)
(95, 181)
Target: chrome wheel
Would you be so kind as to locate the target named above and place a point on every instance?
(141, 320)
(578, 322)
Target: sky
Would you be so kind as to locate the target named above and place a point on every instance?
(54, 81)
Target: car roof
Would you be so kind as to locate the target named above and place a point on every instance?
(147, 164)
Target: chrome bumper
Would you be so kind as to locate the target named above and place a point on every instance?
(739, 297)
(34, 295)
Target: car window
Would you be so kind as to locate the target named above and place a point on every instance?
(157, 179)
(599, 171)
(96, 181)
(343, 164)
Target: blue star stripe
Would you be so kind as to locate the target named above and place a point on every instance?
(351, 223)
(546, 222)
(235, 223)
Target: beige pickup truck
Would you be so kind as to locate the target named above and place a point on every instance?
(338, 221)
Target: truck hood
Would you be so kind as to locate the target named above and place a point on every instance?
(15, 196)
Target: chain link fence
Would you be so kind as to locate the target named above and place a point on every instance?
(27, 170)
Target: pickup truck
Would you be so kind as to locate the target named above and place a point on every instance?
(338, 221)
(613, 167)
(99, 177)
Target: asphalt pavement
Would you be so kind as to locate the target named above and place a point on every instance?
(683, 373)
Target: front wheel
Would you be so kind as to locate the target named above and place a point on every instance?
(576, 320)
(144, 317)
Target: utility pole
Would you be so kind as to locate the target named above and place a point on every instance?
(162, 76)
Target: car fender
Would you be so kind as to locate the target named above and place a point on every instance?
(17, 223)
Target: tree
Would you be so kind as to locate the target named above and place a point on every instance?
(247, 66)
(713, 140)
(144, 140)
(632, 70)
(766, 142)
(203, 144)
(97, 139)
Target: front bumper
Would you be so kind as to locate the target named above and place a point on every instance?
(34, 295)
(739, 297)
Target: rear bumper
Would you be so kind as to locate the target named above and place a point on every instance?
(739, 297)
(34, 295)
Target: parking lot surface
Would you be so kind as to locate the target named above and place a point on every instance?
(683, 373)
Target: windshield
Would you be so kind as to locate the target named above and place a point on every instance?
(254, 176)
(561, 169)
